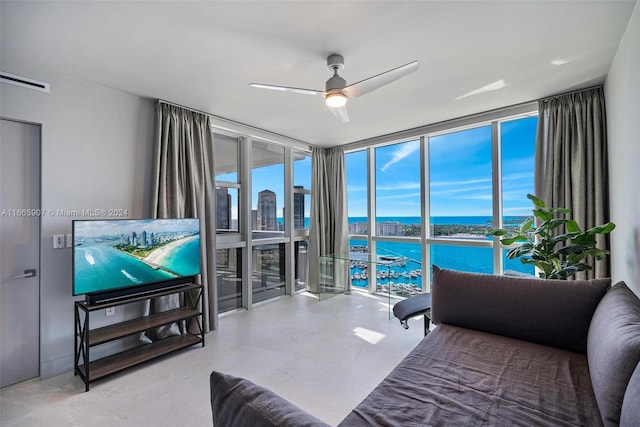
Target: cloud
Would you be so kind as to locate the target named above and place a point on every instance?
(459, 183)
(356, 188)
(472, 190)
(478, 197)
(404, 150)
(399, 186)
(400, 196)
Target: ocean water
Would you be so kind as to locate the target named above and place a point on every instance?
(99, 266)
(463, 258)
(184, 259)
(464, 220)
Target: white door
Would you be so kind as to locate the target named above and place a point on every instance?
(19, 251)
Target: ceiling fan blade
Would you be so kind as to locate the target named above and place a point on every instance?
(288, 89)
(341, 113)
(372, 83)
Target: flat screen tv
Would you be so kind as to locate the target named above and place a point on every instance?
(116, 258)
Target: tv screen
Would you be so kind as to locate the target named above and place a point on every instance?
(117, 254)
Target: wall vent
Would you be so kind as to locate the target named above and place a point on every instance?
(23, 82)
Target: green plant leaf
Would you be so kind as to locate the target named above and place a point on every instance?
(542, 214)
(577, 252)
(573, 227)
(526, 225)
(536, 201)
(498, 232)
(598, 254)
(555, 223)
(562, 237)
(519, 251)
(585, 239)
(602, 229)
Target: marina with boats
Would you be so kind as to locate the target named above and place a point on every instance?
(395, 274)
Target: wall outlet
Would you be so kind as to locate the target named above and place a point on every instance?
(69, 240)
(110, 311)
(58, 241)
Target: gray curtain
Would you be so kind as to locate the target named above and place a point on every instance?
(571, 166)
(184, 186)
(328, 228)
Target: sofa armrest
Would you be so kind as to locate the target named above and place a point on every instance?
(543, 311)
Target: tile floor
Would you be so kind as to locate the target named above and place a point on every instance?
(323, 356)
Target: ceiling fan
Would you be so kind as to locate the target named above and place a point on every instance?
(336, 90)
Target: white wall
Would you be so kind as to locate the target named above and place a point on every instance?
(96, 153)
(622, 93)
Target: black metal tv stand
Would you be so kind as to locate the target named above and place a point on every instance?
(86, 338)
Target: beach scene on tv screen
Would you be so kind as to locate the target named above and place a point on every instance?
(120, 253)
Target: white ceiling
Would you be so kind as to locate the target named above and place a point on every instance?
(204, 55)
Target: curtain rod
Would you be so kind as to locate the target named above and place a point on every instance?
(233, 122)
(571, 92)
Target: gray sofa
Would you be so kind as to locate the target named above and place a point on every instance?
(506, 351)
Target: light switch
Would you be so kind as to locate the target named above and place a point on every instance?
(58, 241)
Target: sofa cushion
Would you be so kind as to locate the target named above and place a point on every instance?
(614, 349)
(461, 377)
(630, 416)
(544, 311)
(239, 402)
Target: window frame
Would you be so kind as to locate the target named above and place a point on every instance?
(491, 118)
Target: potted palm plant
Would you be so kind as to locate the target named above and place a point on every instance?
(558, 247)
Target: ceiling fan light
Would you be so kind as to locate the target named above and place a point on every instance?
(336, 100)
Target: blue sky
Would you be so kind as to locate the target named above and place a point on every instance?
(460, 173)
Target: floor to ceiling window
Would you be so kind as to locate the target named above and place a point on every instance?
(398, 219)
(268, 276)
(228, 254)
(267, 180)
(439, 210)
(517, 142)
(227, 153)
(357, 203)
(229, 278)
(263, 195)
(301, 216)
(461, 199)
(268, 212)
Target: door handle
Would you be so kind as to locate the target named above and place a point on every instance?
(25, 275)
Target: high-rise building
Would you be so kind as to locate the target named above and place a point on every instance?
(361, 228)
(298, 208)
(267, 210)
(389, 228)
(254, 220)
(223, 209)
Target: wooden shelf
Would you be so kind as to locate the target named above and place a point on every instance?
(119, 330)
(117, 362)
(85, 337)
